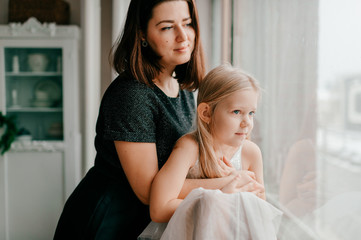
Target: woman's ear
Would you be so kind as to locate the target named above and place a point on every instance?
(142, 36)
(204, 112)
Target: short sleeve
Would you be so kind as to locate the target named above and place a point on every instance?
(129, 112)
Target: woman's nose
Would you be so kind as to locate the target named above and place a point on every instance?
(181, 34)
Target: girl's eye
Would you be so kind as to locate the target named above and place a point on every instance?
(252, 113)
(236, 111)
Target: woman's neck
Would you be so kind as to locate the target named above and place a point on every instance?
(167, 83)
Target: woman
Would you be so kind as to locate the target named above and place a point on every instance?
(144, 111)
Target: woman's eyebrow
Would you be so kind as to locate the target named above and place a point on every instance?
(172, 21)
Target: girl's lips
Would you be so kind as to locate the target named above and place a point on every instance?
(241, 134)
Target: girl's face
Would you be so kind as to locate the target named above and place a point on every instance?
(170, 33)
(233, 118)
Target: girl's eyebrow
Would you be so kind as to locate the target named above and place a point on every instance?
(244, 107)
(172, 21)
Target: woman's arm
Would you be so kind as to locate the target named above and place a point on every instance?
(140, 164)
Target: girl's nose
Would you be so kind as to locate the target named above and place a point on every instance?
(245, 121)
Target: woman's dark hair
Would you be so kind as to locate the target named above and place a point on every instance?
(143, 63)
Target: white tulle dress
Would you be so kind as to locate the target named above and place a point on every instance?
(212, 214)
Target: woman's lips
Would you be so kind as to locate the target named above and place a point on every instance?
(181, 49)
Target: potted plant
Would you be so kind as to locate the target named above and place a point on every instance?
(8, 132)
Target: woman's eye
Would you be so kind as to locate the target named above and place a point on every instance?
(236, 111)
(166, 28)
(189, 25)
(252, 113)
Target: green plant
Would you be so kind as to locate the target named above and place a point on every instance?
(9, 132)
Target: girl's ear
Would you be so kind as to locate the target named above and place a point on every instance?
(204, 112)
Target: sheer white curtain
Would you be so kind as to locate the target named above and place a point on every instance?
(307, 123)
(277, 42)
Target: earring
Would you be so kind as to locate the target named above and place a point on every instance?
(144, 43)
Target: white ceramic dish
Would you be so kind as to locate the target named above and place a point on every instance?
(50, 88)
(37, 62)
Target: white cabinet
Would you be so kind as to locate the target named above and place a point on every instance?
(39, 85)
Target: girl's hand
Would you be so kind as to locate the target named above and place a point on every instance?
(259, 191)
(256, 187)
(244, 181)
(226, 167)
(234, 185)
(245, 174)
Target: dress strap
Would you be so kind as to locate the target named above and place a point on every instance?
(236, 160)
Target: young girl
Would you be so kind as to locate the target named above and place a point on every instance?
(227, 102)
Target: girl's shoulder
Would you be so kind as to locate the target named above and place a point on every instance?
(251, 151)
(250, 146)
(188, 141)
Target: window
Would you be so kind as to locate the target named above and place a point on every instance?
(307, 56)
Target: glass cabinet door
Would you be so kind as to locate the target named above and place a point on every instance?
(34, 94)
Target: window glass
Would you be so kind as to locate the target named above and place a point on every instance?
(307, 57)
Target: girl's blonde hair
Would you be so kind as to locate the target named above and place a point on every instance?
(217, 85)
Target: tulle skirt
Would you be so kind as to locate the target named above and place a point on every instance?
(212, 214)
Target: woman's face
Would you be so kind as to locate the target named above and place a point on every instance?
(170, 33)
(233, 118)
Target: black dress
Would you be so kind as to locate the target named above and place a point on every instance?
(103, 205)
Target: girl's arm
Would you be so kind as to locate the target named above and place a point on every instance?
(252, 160)
(140, 164)
(210, 183)
(244, 178)
(168, 183)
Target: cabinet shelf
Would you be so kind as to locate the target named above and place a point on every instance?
(34, 81)
(33, 109)
(33, 74)
(37, 146)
